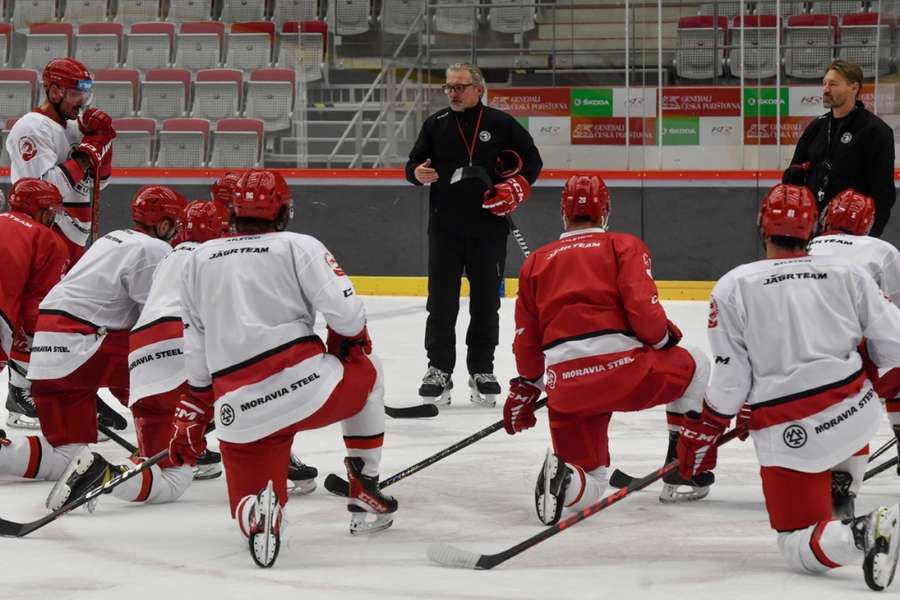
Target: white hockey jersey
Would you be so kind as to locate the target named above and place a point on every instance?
(249, 307)
(879, 258)
(784, 334)
(156, 344)
(105, 290)
(39, 146)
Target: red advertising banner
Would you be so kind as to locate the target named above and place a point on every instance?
(761, 130)
(528, 102)
(610, 131)
(702, 101)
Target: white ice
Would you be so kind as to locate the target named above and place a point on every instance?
(480, 499)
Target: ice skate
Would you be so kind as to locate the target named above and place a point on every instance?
(843, 501)
(877, 534)
(21, 408)
(484, 389)
(87, 471)
(370, 510)
(896, 429)
(264, 527)
(436, 386)
(676, 488)
(209, 465)
(301, 477)
(550, 490)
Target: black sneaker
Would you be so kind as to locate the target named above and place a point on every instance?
(365, 499)
(550, 489)
(436, 386)
(678, 489)
(87, 471)
(21, 408)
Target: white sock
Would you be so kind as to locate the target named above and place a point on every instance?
(155, 485)
(585, 488)
(35, 458)
(821, 547)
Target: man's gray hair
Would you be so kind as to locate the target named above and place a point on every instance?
(475, 72)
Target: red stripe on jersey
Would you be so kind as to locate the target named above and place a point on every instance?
(79, 212)
(265, 365)
(892, 406)
(367, 442)
(146, 482)
(580, 472)
(166, 328)
(864, 451)
(816, 548)
(56, 321)
(796, 408)
(239, 515)
(35, 455)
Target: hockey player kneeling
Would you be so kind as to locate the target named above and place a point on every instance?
(785, 332)
(588, 312)
(249, 308)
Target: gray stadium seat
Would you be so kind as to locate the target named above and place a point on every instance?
(116, 91)
(701, 47)
(18, 92)
(863, 31)
(199, 45)
(836, 7)
(217, 93)
(133, 145)
(511, 16)
(183, 143)
(183, 11)
(463, 19)
(760, 54)
(137, 11)
(46, 41)
(304, 52)
(28, 12)
(250, 45)
(6, 33)
(809, 45)
(86, 11)
(349, 17)
(293, 10)
(270, 97)
(150, 46)
(397, 16)
(99, 45)
(239, 11)
(165, 93)
(237, 143)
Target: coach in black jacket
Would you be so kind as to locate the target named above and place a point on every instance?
(467, 232)
(847, 147)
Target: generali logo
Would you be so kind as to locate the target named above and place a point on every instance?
(759, 131)
(671, 103)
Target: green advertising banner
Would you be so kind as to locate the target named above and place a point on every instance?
(680, 131)
(592, 102)
(761, 102)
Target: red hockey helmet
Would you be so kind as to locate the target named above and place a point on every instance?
(850, 212)
(69, 74)
(262, 195)
(224, 189)
(153, 203)
(204, 220)
(585, 196)
(28, 195)
(789, 211)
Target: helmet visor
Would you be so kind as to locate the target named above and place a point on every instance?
(82, 93)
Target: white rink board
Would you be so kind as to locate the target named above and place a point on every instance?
(480, 499)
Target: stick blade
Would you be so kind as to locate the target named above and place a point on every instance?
(451, 556)
(419, 411)
(337, 485)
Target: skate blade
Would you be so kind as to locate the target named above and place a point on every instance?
(362, 524)
(301, 487)
(548, 504)
(264, 544)
(20, 421)
(59, 494)
(204, 472)
(674, 494)
(442, 400)
(880, 563)
(485, 400)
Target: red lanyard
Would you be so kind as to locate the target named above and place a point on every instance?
(470, 148)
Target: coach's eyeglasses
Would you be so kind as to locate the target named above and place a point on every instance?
(458, 88)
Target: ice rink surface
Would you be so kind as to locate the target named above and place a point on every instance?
(480, 499)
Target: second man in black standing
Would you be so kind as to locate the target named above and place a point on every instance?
(467, 225)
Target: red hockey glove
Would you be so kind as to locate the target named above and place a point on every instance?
(348, 348)
(105, 169)
(505, 196)
(696, 449)
(743, 422)
(796, 174)
(674, 336)
(95, 147)
(95, 121)
(518, 412)
(193, 414)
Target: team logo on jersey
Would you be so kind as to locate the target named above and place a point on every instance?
(794, 436)
(551, 379)
(713, 321)
(333, 264)
(27, 148)
(846, 138)
(484, 136)
(226, 415)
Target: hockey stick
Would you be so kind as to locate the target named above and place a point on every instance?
(882, 467)
(520, 239)
(339, 486)
(13, 529)
(451, 556)
(108, 432)
(620, 479)
(884, 448)
(419, 411)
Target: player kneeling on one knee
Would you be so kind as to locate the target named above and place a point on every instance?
(255, 365)
(588, 313)
(785, 332)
